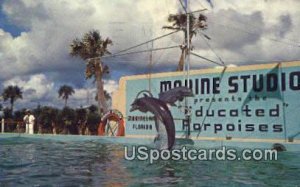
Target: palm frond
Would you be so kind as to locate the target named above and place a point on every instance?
(65, 91)
(12, 92)
(179, 22)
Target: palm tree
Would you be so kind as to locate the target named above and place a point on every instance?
(64, 92)
(81, 119)
(107, 98)
(12, 93)
(106, 95)
(179, 23)
(90, 48)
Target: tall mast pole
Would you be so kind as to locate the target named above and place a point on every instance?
(187, 65)
(187, 42)
(150, 66)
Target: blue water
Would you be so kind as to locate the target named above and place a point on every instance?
(38, 162)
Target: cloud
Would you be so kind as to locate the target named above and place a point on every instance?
(35, 88)
(52, 26)
(38, 89)
(226, 33)
(284, 25)
(241, 32)
(110, 86)
(244, 33)
(37, 85)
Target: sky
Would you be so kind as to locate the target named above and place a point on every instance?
(35, 36)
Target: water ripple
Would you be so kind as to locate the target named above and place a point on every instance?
(32, 162)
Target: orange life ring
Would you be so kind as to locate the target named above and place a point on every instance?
(112, 115)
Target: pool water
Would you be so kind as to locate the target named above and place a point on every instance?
(40, 162)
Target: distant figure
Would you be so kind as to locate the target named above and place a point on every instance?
(29, 122)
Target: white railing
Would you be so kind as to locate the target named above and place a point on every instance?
(2, 125)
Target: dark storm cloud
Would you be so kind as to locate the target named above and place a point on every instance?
(285, 25)
(73, 77)
(25, 13)
(233, 30)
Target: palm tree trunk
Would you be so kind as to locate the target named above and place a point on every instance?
(100, 94)
(11, 105)
(66, 100)
(40, 128)
(181, 61)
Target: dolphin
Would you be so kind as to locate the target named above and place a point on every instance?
(163, 117)
(175, 94)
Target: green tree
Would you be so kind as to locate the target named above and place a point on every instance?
(81, 119)
(12, 93)
(91, 48)
(64, 92)
(106, 95)
(93, 120)
(47, 119)
(18, 119)
(93, 109)
(179, 23)
(67, 118)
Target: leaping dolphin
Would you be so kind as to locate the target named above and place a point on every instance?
(163, 117)
(164, 122)
(175, 94)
